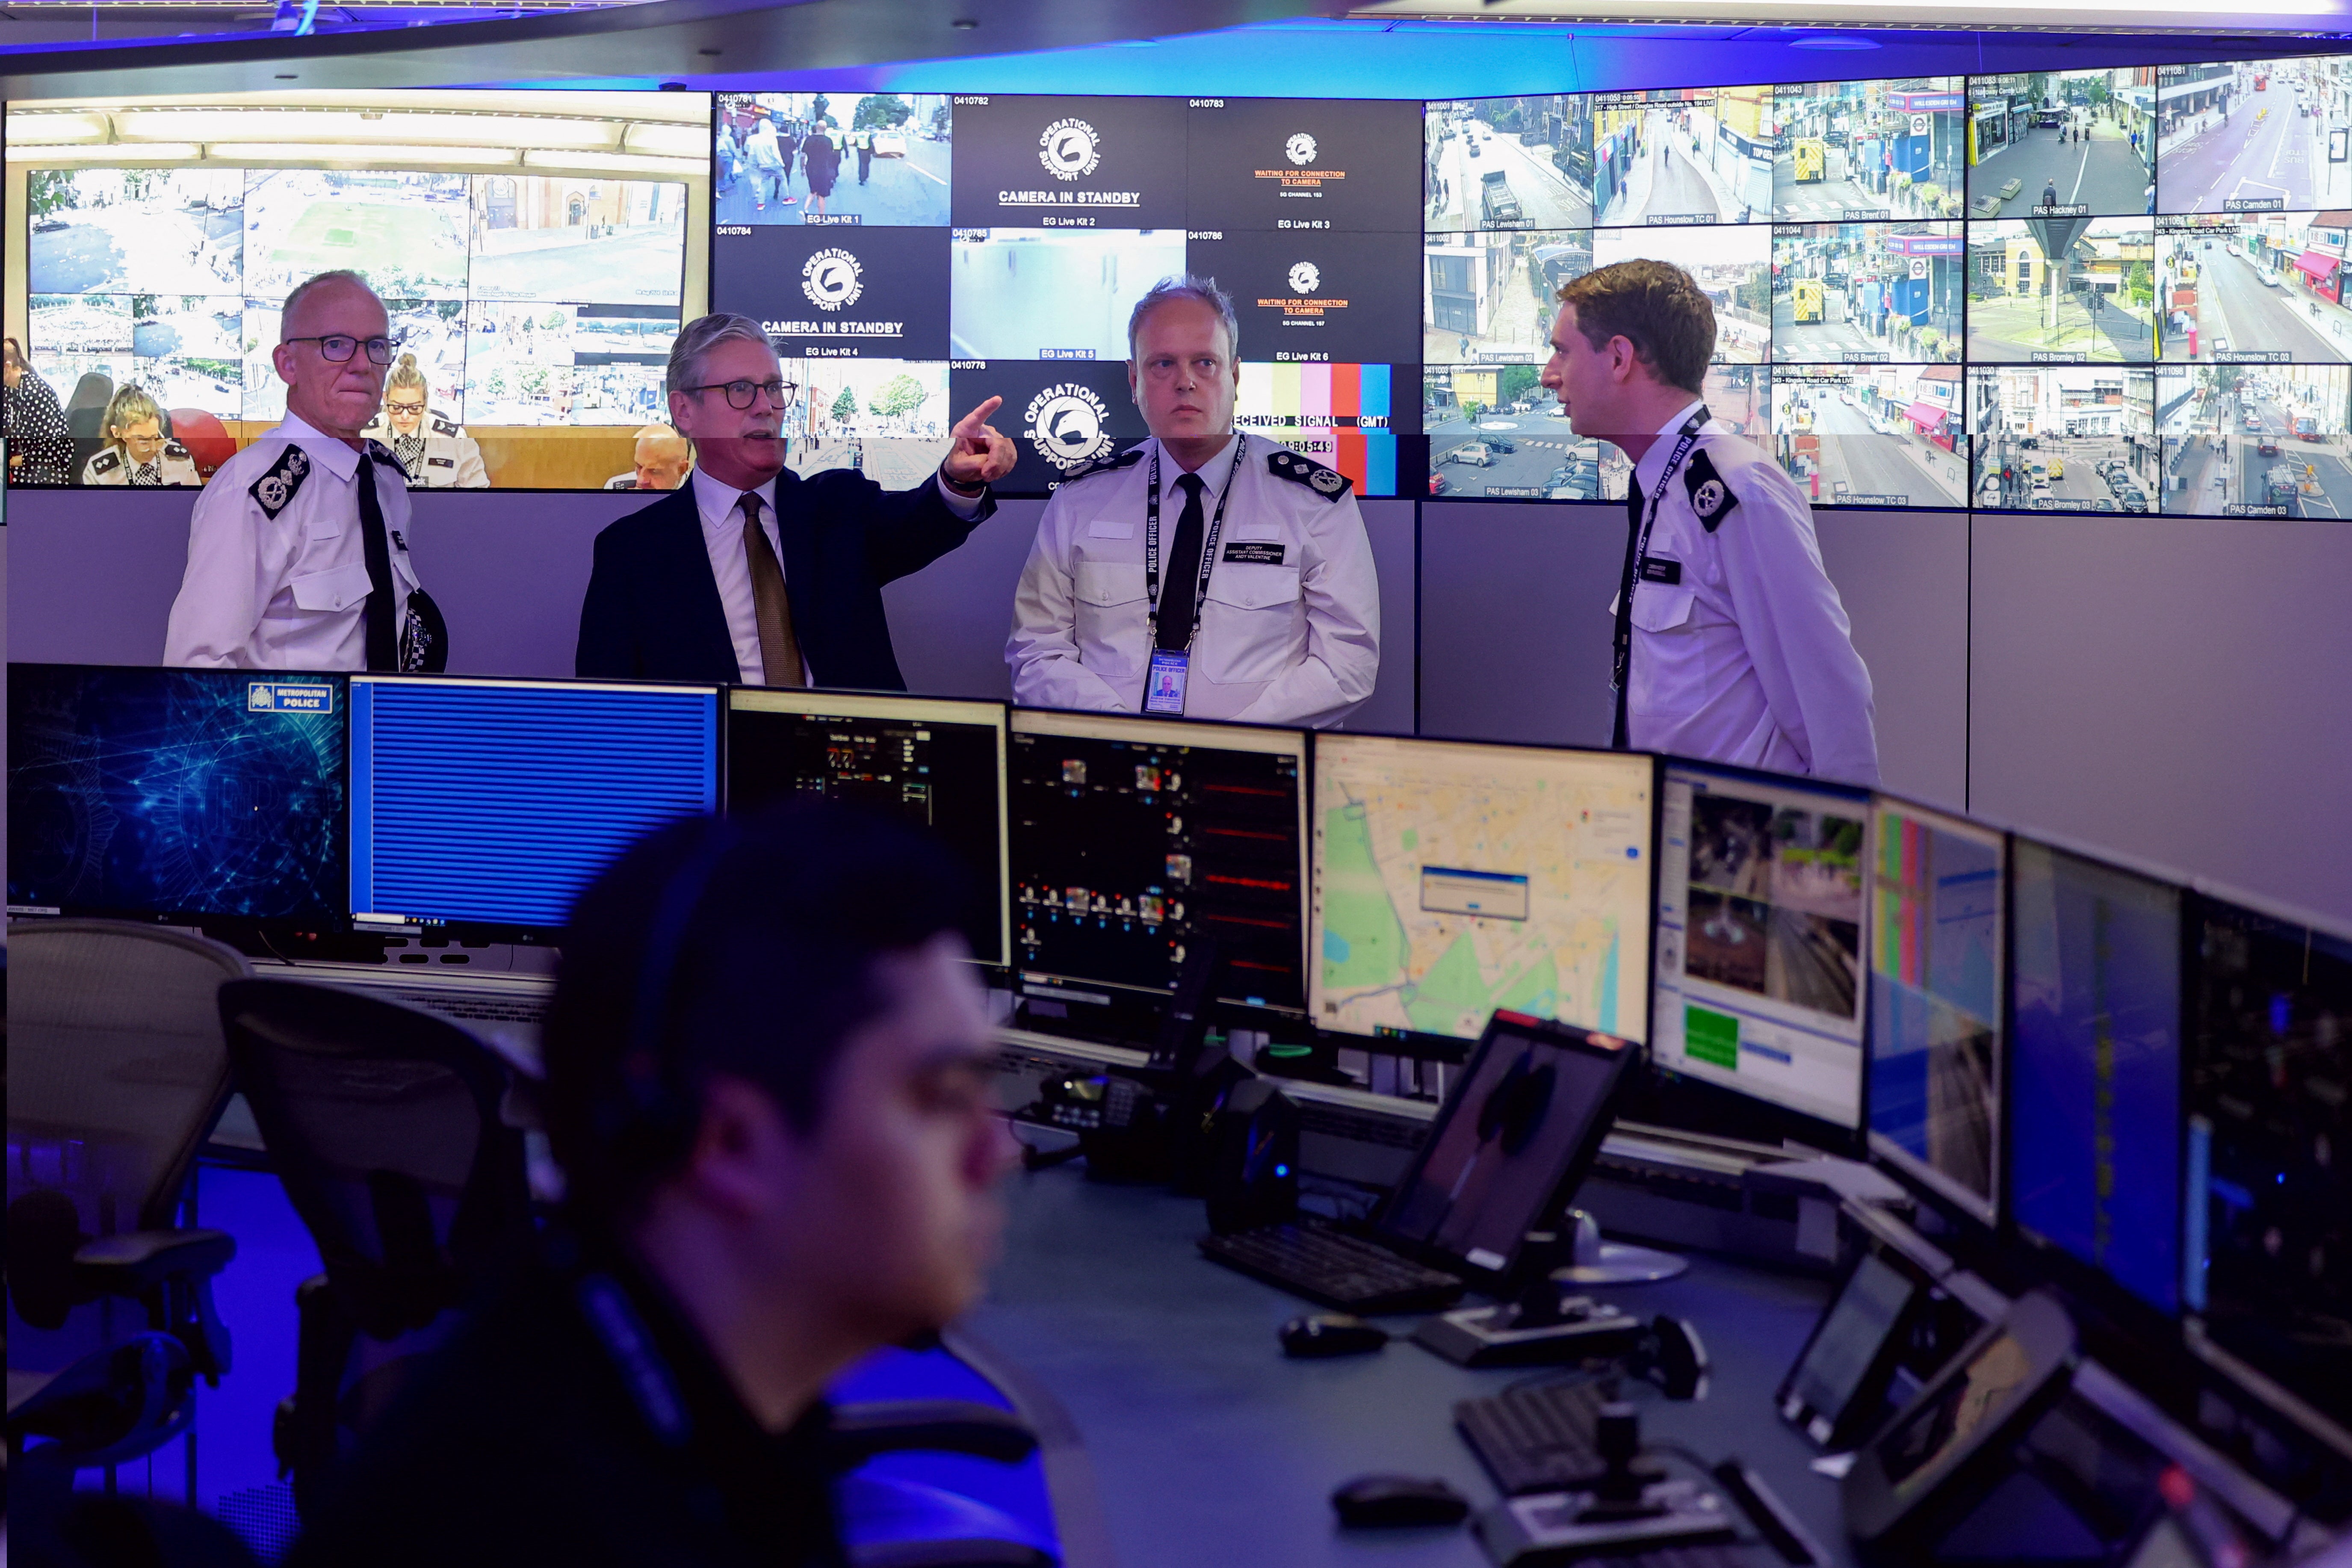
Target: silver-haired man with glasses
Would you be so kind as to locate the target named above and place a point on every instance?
(298, 553)
(749, 572)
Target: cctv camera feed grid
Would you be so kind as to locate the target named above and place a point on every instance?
(202, 793)
(1450, 880)
(529, 248)
(1132, 839)
(2094, 1064)
(933, 765)
(2269, 1246)
(491, 803)
(1934, 1033)
(994, 245)
(1759, 940)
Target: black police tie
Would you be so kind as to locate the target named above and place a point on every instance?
(1622, 652)
(382, 616)
(1182, 582)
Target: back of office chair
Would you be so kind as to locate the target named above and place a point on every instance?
(383, 1123)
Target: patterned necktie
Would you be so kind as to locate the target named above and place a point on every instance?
(147, 474)
(410, 450)
(1182, 588)
(771, 609)
(381, 615)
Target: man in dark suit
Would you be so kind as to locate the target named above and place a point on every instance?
(685, 591)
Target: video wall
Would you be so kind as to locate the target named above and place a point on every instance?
(2089, 291)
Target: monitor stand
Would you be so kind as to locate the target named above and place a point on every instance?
(1594, 1261)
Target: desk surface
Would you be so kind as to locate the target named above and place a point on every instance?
(1208, 1446)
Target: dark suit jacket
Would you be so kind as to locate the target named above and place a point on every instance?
(653, 611)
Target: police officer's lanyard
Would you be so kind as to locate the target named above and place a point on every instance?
(1169, 671)
(1622, 664)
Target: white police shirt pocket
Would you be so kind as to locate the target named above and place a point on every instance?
(1110, 616)
(336, 588)
(1669, 674)
(1252, 624)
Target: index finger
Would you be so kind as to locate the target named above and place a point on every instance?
(980, 413)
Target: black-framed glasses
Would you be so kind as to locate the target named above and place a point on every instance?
(741, 394)
(337, 348)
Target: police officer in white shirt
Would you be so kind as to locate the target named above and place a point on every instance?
(434, 450)
(137, 452)
(1731, 643)
(298, 553)
(1202, 572)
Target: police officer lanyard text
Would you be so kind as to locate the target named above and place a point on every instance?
(1208, 549)
(1636, 562)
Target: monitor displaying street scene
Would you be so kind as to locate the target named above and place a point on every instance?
(2253, 136)
(2244, 440)
(1490, 298)
(1682, 155)
(2252, 288)
(2078, 143)
(1041, 294)
(1508, 163)
(1865, 293)
(1858, 151)
(1494, 431)
(1732, 266)
(2096, 301)
(2063, 438)
(1874, 436)
(841, 159)
(529, 248)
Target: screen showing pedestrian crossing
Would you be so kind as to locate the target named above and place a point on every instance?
(531, 249)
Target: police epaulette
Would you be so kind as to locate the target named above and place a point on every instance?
(442, 425)
(1711, 499)
(171, 449)
(106, 461)
(273, 489)
(382, 453)
(1111, 464)
(1328, 483)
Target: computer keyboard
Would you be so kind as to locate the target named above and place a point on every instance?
(1335, 1270)
(1535, 1440)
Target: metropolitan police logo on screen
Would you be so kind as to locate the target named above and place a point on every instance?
(1069, 150)
(833, 279)
(1305, 278)
(1068, 425)
(1299, 148)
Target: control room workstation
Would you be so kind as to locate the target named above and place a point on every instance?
(1689, 1160)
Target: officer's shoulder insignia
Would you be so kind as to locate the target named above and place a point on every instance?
(173, 450)
(442, 425)
(1299, 469)
(275, 487)
(381, 453)
(1111, 464)
(1710, 498)
(106, 462)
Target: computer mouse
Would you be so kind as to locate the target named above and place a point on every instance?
(1331, 1334)
(1380, 1501)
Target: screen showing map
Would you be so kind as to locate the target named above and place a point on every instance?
(1450, 880)
(1759, 939)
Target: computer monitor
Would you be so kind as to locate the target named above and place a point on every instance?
(489, 804)
(1134, 839)
(1510, 1144)
(2095, 1066)
(1760, 922)
(2269, 1157)
(176, 795)
(936, 763)
(1934, 1041)
(1451, 879)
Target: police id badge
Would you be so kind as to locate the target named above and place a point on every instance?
(1163, 683)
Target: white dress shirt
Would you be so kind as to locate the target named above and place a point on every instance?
(1750, 659)
(1290, 623)
(287, 591)
(721, 507)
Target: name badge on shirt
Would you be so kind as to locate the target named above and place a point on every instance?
(1247, 554)
(1658, 569)
(1163, 684)
(1110, 528)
